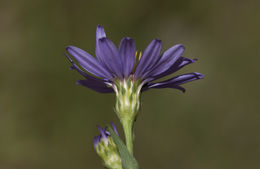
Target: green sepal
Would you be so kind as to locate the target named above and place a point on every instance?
(128, 160)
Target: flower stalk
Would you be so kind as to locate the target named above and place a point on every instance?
(129, 135)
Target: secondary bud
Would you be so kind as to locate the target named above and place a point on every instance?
(107, 149)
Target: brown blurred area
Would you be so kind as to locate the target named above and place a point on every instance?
(48, 122)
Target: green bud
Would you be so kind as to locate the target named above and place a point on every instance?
(107, 150)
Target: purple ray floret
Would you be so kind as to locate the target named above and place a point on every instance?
(112, 64)
(104, 134)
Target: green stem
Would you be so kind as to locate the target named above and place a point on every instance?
(128, 130)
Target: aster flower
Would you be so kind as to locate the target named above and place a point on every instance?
(107, 149)
(128, 73)
(112, 65)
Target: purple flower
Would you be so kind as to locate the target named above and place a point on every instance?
(112, 64)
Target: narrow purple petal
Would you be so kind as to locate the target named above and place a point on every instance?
(109, 54)
(74, 66)
(114, 127)
(174, 87)
(95, 85)
(149, 58)
(127, 51)
(176, 81)
(107, 132)
(91, 82)
(100, 33)
(168, 58)
(103, 134)
(179, 88)
(88, 62)
(180, 63)
(185, 61)
(96, 140)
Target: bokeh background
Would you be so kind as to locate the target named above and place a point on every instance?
(48, 122)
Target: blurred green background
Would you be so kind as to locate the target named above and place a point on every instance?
(48, 122)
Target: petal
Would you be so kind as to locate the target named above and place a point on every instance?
(110, 57)
(147, 87)
(180, 63)
(89, 63)
(168, 58)
(176, 81)
(100, 33)
(114, 127)
(74, 66)
(103, 134)
(127, 51)
(91, 82)
(96, 140)
(96, 86)
(107, 132)
(149, 58)
(179, 88)
(185, 61)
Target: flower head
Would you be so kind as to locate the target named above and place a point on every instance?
(107, 149)
(127, 72)
(112, 65)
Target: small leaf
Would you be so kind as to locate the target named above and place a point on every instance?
(128, 160)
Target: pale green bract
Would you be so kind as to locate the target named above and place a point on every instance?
(127, 106)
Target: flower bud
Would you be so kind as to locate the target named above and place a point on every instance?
(107, 149)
